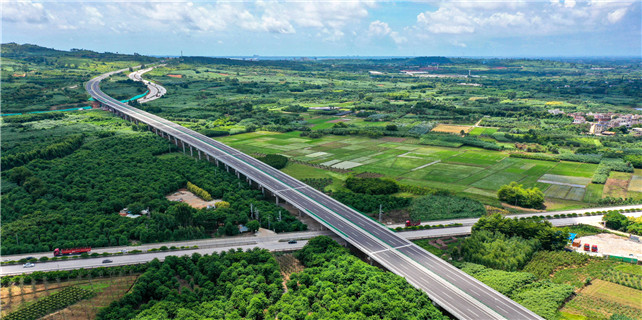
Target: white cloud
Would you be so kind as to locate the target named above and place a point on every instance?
(378, 28)
(446, 20)
(616, 15)
(521, 17)
(24, 12)
(330, 19)
(382, 29)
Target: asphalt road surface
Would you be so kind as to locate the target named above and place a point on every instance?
(142, 258)
(455, 291)
(155, 90)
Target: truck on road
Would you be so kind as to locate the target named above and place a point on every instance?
(410, 223)
(64, 252)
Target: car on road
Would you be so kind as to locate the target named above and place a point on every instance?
(30, 258)
(292, 242)
(28, 265)
(107, 261)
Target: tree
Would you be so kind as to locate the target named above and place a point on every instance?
(515, 194)
(231, 229)
(615, 220)
(182, 212)
(253, 225)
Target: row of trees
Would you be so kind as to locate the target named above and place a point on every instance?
(199, 192)
(54, 150)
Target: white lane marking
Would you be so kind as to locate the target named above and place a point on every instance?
(473, 312)
(403, 246)
(380, 251)
(287, 189)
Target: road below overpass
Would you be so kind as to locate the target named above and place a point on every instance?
(410, 234)
(460, 294)
(128, 259)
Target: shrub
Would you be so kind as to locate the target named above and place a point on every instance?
(275, 160)
(375, 186)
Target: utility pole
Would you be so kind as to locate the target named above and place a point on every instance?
(279, 215)
(251, 211)
(380, 211)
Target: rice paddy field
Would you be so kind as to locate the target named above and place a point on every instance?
(469, 171)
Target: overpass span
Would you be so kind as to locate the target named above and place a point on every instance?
(455, 291)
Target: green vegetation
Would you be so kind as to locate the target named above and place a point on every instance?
(545, 262)
(496, 250)
(275, 160)
(47, 203)
(541, 297)
(49, 304)
(437, 207)
(371, 203)
(617, 221)
(371, 185)
(549, 237)
(248, 285)
(515, 193)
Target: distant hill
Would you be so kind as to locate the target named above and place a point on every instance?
(27, 51)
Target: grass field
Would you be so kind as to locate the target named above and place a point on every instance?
(470, 171)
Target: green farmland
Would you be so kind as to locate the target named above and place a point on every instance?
(473, 172)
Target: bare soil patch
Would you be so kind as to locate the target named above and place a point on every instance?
(449, 128)
(183, 195)
(175, 75)
(289, 265)
(615, 188)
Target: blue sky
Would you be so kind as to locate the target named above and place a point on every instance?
(515, 28)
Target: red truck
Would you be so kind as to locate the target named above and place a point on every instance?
(410, 223)
(587, 247)
(594, 248)
(64, 252)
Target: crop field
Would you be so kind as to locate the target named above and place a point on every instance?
(564, 180)
(635, 185)
(482, 131)
(617, 185)
(471, 171)
(447, 128)
(565, 192)
(601, 299)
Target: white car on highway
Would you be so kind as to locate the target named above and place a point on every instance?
(28, 265)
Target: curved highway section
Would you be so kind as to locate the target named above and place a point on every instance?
(155, 90)
(455, 291)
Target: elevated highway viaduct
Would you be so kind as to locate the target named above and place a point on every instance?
(456, 292)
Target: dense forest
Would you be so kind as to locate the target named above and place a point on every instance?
(249, 285)
(47, 202)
